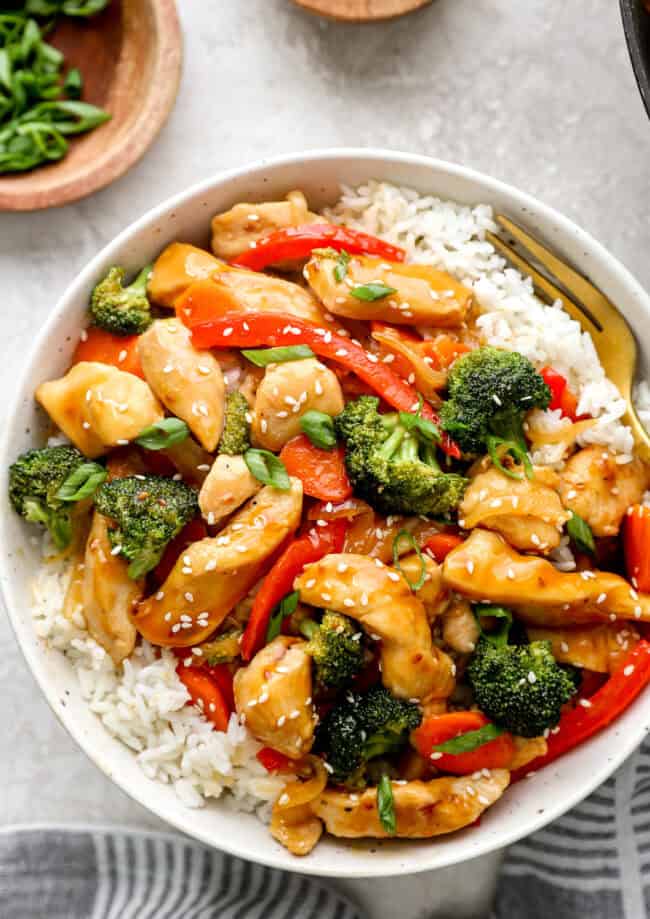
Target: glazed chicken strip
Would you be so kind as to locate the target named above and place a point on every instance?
(274, 692)
(99, 407)
(228, 484)
(419, 295)
(381, 601)
(188, 382)
(432, 593)
(459, 627)
(485, 568)
(600, 490)
(596, 647)
(422, 809)
(214, 574)
(286, 392)
(235, 230)
(527, 512)
(108, 594)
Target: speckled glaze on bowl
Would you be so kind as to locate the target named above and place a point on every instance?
(524, 808)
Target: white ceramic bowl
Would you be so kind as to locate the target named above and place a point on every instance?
(524, 808)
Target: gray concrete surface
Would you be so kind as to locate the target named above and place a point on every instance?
(539, 93)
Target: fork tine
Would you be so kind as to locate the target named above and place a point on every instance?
(542, 283)
(576, 284)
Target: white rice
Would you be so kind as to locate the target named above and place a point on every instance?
(142, 702)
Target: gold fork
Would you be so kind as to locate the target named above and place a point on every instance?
(590, 307)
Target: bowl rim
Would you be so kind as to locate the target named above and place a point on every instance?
(634, 32)
(386, 158)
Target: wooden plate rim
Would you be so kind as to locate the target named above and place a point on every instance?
(322, 8)
(121, 156)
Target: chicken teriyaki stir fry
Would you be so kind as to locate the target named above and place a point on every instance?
(296, 462)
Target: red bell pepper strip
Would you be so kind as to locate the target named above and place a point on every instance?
(105, 348)
(636, 542)
(435, 730)
(440, 545)
(322, 472)
(273, 761)
(253, 330)
(299, 242)
(592, 715)
(561, 395)
(205, 694)
(222, 676)
(310, 547)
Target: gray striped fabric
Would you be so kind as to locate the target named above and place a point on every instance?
(594, 862)
(122, 874)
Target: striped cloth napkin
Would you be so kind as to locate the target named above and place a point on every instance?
(594, 862)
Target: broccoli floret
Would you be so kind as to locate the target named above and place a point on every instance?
(235, 439)
(335, 648)
(147, 511)
(521, 687)
(362, 728)
(34, 480)
(121, 310)
(490, 391)
(394, 468)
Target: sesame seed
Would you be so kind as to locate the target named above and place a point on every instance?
(601, 598)
(342, 567)
(281, 720)
(393, 576)
(585, 703)
(564, 647)
(496, 399)
(470, 566)
(160, 595)
(510, 574)
(294, 714)
(436, 755)
(227, 332)
(531, 677)
(326, 597)
(211, 565)
(116, 550)
(284, 799)
(167, 617)
(348, 601)
(629, 670)
(341, 352)
(83, 335)
(310, 583)
(483, 800)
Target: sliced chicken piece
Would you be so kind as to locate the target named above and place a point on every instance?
(596, 647)
(255, 292)
(432, 593)
(381, 601)
(228, 484)
(234, 231)
(526, 750)
(214, 574)
(108, 595)
(485, 568)
(188, 382)
(419, 295)
(600, 490)
(528, 513)
(285, 393)
(297, 829)
(274, 694)
(422, 809)
(191, 460)
(98, 406)
(459, 627)
(178, 266)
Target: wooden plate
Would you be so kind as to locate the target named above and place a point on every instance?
(361, 10)
(130, 58)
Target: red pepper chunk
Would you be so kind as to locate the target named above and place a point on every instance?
(299, 243)
(118, 350)
(254, 330)
(592, 715)
(205, 694)
(437, 729)
(322, 472)
(273, 761)
(310, 547)
(441, 544)
(636, 542)
(561, 395)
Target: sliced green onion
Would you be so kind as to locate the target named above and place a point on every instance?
(386, 805)
(163, 434)
(267, 468)
(372, 291)
(341, 267)
(500, 636)
(404, 534)
(82, 483)
(73, 83)
(580, 533)
(498, 446)
(319, 428)
(286, 607)
(262, 357)
(469, 741)
(428, 429)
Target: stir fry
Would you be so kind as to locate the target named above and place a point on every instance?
(296, 462)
